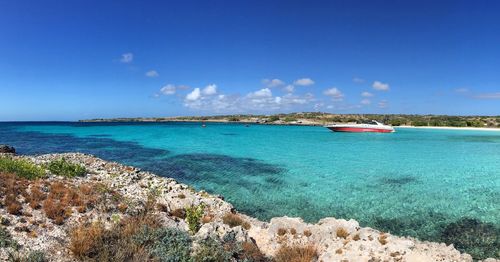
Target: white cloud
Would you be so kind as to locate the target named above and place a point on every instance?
(210, 90)
(303, 82)
(127, 58)
(194, 95)
(152, 73)
(383, 104)
(366, 94)
(358, 80)
(334, 93)
(264, 92)
(168, 89)
(289, 88)
(377, 85)
(488, 96)
(273, 82)
(366, 101)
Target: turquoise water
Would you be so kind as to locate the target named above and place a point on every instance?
(413, 182)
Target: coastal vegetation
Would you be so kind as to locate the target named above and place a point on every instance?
(320, 118)
(61, 167)
(21, 167)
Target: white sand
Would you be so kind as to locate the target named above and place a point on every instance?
(451, 127)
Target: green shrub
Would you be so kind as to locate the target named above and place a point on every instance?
(6, 239)
(33, 256)
(21, 167)
(64, 168)
(211, 250)
(172, 245)
(193, 217)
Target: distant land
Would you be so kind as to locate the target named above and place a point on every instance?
(318, 118)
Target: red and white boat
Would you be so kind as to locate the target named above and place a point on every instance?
(372, 126)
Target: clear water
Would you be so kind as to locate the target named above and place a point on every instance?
(412, 182)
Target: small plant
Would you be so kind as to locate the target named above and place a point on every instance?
(172, 245)
(181, 196)
(296, 254)
(6, 239)
(250, 252)
(281, 231)
(338, 251)
(21, 167)
(307, 233)
(293, 231)
(342, 232)
(64, 168)
(211, 250)
(179, 213)
(356, 237)
(234, 220)
(33, 256)
(193, 217)
(382, 239)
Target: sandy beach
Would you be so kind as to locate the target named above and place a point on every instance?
(452, 128)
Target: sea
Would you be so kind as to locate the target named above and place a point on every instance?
(426, 183)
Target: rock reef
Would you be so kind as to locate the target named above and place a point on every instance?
(128, 190)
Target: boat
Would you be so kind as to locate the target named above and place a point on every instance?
(370, 126)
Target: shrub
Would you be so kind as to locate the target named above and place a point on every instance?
(33, 256)
(14, 208)
(193, 217)
(342, 232)
(250, 252)
(356, 237)
(179, 213)
(382, 239)
(171, 245)
(296, 254)
(6, 239)
(234, 220)
(21, 167)
(64, 168)
(281, 231)
(211, 250)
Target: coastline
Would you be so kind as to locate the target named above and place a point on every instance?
(250, 122)
(334, 239)
(452, 128)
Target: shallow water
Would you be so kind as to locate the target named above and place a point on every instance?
(412, 182)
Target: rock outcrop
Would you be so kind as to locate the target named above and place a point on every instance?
(7, 149)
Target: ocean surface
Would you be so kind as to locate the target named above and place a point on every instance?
(418, 182)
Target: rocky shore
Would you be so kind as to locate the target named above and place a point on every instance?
(109, 193)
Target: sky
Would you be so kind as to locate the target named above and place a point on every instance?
(71, 60)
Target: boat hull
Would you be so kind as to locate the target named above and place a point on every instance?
(360, 129)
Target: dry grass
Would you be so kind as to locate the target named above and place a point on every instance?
(93, 242)
(234, 220)
(342, 233)
(383, 239)
(179, 213)
(296, 254)
(282, 231)
(250, 252)
(356, 237)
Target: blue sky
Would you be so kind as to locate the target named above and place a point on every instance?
(69, 60)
